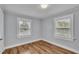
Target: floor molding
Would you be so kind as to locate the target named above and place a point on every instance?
(38, 47)
(22, 43)
(71, 49)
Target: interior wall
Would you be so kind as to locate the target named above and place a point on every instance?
(10, 22)
(48, 29)
(43, 28)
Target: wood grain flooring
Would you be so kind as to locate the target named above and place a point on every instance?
(38, 47)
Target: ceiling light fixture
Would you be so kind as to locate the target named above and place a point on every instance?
(44, 6)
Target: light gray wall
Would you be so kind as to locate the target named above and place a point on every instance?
(10, 22)
(40, 29)
(48, 29)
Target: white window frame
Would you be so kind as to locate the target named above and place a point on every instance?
(19, 34)
(70, 16)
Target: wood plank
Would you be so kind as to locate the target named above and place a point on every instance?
(58, 48)
(38, 47)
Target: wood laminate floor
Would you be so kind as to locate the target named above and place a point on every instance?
(38, 47)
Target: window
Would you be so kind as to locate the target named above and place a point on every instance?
(64, 27)
(24, 27)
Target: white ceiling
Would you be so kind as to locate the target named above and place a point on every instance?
(35, 10)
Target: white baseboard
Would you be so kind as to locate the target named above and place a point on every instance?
(71, 49)
(22, 43)
(2, 51)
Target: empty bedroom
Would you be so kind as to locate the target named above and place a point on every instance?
(39, 28)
